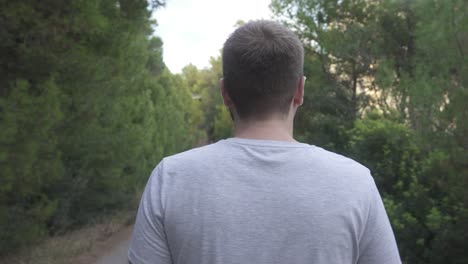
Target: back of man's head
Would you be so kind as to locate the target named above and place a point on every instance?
(262, 67)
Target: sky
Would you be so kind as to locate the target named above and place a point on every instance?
(195, 30)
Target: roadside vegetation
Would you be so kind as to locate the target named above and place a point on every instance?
(88, 108)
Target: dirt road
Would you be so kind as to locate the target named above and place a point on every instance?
(117, 255)
(112, 250)
(115, 250)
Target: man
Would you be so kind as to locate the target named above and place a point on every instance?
(262, 197)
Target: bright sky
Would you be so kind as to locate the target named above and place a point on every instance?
(195, 30)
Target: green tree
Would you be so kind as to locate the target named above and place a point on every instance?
(87, 109)
(29, 160)
(205, 88)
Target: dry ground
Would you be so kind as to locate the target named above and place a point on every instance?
(87, 245)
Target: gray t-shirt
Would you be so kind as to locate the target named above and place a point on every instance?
(259, 201)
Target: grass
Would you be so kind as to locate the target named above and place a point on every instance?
(69, 247)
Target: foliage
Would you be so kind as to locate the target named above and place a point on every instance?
(204, 85)
(29, 160)
(223, 126)
(87, 109)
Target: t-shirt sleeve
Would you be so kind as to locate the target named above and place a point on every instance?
(149, 242)
(377, 244)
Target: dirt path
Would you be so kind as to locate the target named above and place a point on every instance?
(118, 255)
(110, 251)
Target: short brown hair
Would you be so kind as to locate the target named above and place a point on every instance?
(262, 66)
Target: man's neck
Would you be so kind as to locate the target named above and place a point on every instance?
(271, 129)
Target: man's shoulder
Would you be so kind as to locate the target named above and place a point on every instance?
(342, 167)
(309, 158)
(194, 155)
(335, 159)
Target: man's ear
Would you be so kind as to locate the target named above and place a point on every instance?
(299, 96)
(226, 98)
